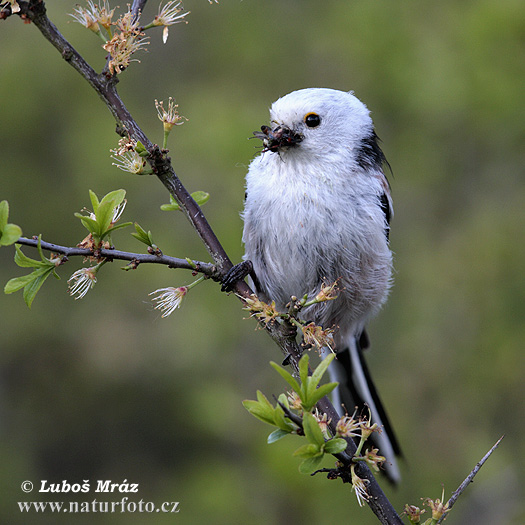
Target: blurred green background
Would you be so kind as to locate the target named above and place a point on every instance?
(103, 388)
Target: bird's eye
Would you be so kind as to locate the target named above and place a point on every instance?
(312, 120)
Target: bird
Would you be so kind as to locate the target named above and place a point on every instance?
(317, 211)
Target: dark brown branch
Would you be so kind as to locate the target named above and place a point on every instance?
(105, 85)
(140, 258)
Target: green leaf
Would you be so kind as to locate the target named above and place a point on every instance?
(32, 288)
(308, 451)
(4, 214)
(280, 419)
(142, 235)
(114, 197)
(30, 283)
(287, 377)
(335, 446)
(303, 370)
(24, 261)
(261, 409)
(284, 400)
(320, 370)
(200, 197)
(116, 227)
(88, 223)
(310, 465)
(10, 234)
(104, 217)
(320, 392)
(172, 206)
(17, 283)
(276, 435)
(94, 201)
(311, 429)
(141, 150)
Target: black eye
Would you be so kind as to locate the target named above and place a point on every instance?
(312, 120)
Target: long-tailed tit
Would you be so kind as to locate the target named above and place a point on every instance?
(317, 211)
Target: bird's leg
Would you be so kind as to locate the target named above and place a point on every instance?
(237, 273)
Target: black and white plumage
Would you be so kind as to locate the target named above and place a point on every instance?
(317, 210)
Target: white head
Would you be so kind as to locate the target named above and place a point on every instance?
(320, 121)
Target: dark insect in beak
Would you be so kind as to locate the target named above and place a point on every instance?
(280, 137)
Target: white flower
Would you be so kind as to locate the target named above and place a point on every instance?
(87, 17)
(131, 162)
(169, 299)
(15, 8)
(359, 487)
(169, 117)
(117, 212)
(82, 281)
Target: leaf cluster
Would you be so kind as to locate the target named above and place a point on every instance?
(32, 282)
(9, 233)
(281, 416)
(101, 223)
(200, 197)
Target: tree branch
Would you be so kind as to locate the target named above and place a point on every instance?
(171, 262)
(105, 86)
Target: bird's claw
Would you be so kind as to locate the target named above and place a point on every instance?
(235, 274)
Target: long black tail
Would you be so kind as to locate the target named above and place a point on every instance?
(356, 390)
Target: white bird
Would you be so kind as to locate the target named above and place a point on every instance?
(317, 211)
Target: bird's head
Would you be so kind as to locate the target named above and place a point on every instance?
(317, 121)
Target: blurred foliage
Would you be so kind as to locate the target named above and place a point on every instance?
(104, 389)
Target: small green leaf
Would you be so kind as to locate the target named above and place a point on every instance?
(335, 446)
(17, 283)
(104, 217)
(312, 430)
(141, 150)
(4, 214)
(172, 206)
(94, 201)
(88, 223)
(284, 400)
(115, 198)
(287, 377)
(276, 435)
(310, 465)
(309, 450)
(191, 263)
(142, 235)
(200, 197)
(24, 261)
(116, 227)
(30, 283)
(303, 370)
(32, 288)
(280, 419)
(10, 234)
(320, 392)
(320, 370)
(261, 409)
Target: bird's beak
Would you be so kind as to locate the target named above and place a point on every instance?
(280, 137)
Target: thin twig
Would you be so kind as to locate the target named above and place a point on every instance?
(470, 478)
(109, 254)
